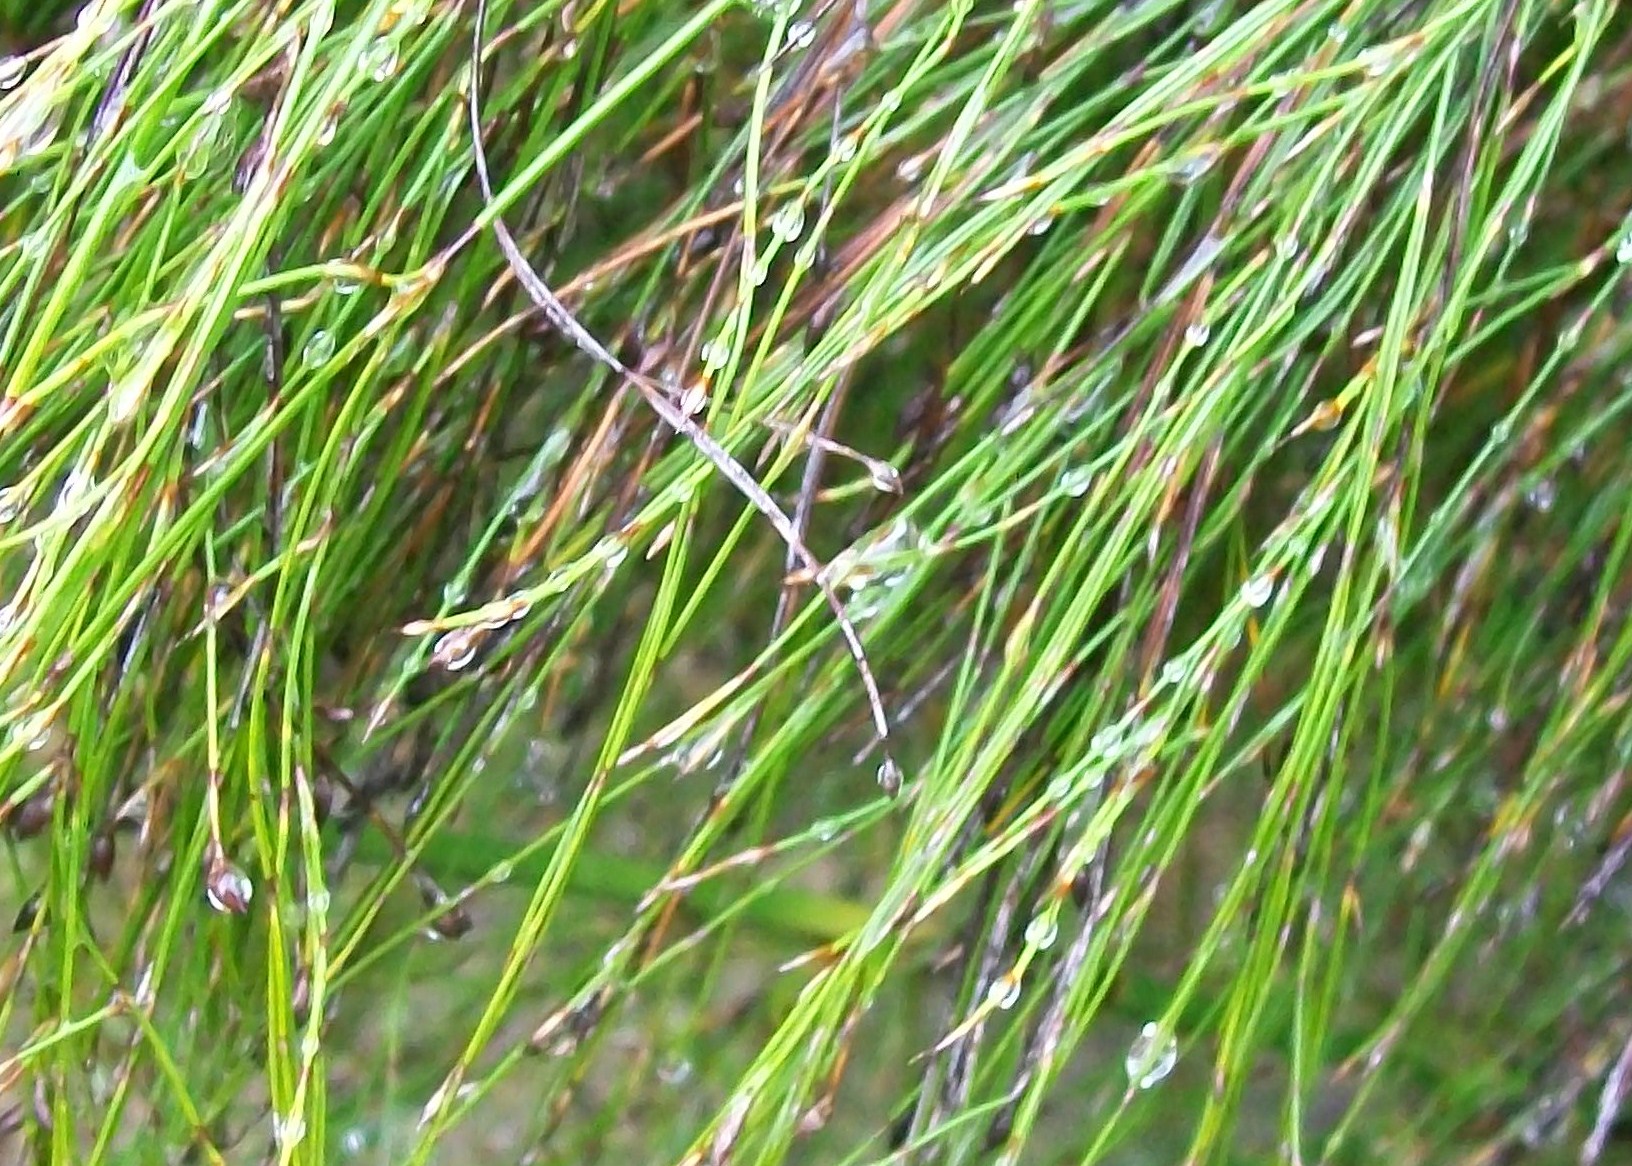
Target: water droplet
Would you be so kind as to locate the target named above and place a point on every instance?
(501, 872)
(1004, 992)
(846, 150)
(615, 552)
(75, 485)
(34, 732)
(331, 126)
(1042, 931)
(1286, 246)
(569, 49)
(802, 34)
(228, 889)
(788, 223)
(288, 1131)
(1623, 251)
(124, 398)
(715, 353)
(319, 349)
(1194, 166)
(455, 650)
(1040, 226)
(889, 776)
(1496, 718)
(675, 1072)
(1075, 480)
(1151, 1057)
(354, 1141)
(760, 272)
(317, 901)
(1198, 333)
(380, 59)
(1376, 60)
(11, 71)
(1338, 31)
(910, 169)
(1255, 592)
(694, 400)
(1174, 671)
(1316, 558)
(1542, 495)
(825, 829)
(347, 287)
(885, 477)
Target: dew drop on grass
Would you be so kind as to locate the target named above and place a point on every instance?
(788, 223)
(1255, 592)
(455, 650)
(1075, 480)
(319, 349)
(885, 477)
(1196, 165)
(354, 1141)
(676, 1072)
(1042, 931)
(1040, 226)
(715, 354)
(380, 59)
(615, 551)
(501, 872)
(228, 889)
(1198, 333)
(1106, 741)
(825, 829)
(1151, 1057)
(11, 71)
(34, 733)
(288, 1131)
(802, 34)
(760, 272)
(1004, 992)
(889, 776)
(569, 49)
(330, 126)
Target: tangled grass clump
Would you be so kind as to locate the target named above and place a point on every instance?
(821, 580)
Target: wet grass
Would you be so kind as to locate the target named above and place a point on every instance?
(825, 582)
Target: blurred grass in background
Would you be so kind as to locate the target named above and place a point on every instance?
(1211, 416)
